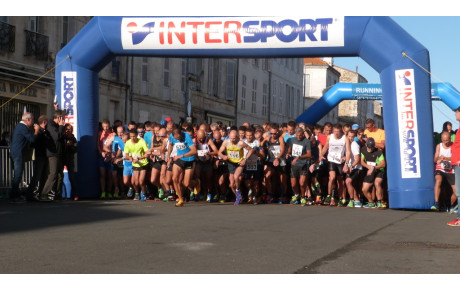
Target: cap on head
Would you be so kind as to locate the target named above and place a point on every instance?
(163, 122)
(355, 126)
(370, 143)
(168, 119)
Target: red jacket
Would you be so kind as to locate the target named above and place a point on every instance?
(455, 149)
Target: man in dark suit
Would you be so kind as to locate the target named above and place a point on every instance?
(21, 140)
(53, 186)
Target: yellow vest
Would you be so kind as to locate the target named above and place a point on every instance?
(235, 153)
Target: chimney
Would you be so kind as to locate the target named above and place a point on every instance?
(329, 61)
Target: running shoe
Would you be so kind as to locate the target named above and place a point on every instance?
(197, 187)
(455, 222)
(435, 207)
(143, 197)
(293, 199)
(136, 197)
(327, 201)
(169, 198)
(380, 205)
(222, 198)
(318, 199)
(303, 201)
(192, 196)
(369, 205)
(180, 203)
(351, 203)
(109, 196)
(238, 198)
(358, 204)
(341, 203)
(102, 195)
(209, 198)
(115, 193)
(332, 202)
(454, 210)
(197, 197)
(250, 200)
(161, 193)
(216, 197)
(130, 192)
(309, 201)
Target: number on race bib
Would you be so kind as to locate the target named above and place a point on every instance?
(297, 150)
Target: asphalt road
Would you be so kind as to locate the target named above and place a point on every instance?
(127, 237)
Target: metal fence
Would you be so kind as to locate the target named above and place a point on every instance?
(6, 172)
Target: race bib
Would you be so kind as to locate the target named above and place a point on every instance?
(372, 164)
(234, 155)
(446, 165)
(251, 165)
(202, 153)
(297, 150)
(275, 150)
(180, 146)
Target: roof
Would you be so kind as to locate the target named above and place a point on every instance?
(314, 61)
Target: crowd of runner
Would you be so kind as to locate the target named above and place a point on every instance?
(292, 162)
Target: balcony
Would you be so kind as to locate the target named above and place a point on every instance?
(7, 37)
(36, 45)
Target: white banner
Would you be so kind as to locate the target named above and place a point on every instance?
(152, 33)
(69, 98)
(407, 121)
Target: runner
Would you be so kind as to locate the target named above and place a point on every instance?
(221, 170)
(236, 161)
(117, 160)
(105, 137)
(444, 169)
(137, 151)
(158, 149)
(299, 149)
(373, 160)
(354, 172)
(253, 170)
(184, 163)
(276, 164)
(203, 171)
(338, 148)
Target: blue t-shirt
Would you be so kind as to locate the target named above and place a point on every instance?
(287, 137)
(182, 146)
(148, 138)
(118, 144)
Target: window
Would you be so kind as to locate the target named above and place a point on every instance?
(166, 75)
(264, 64)
(230, 85)
(306, 85)
(145, 76)
(265, 100)
(65, 30)
(34, 23)
(255, 62)
(182, 74)
(213, 77)
(273, 95)
(243, 94)
(281, 101)
(254, 96)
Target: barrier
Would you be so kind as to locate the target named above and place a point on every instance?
(6, 173)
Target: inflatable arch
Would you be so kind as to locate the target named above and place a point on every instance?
(444, 92)
(377, 40)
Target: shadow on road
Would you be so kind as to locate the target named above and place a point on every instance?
(34, 216)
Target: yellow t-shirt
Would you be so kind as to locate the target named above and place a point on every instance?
(235, 153)
(378, 135)
(137, 149)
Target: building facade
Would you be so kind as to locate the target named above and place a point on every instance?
(144, 88)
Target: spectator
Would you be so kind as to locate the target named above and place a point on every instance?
(69, 150)
(22, 138)
(41, 159)
(53, 185)
(455, 160)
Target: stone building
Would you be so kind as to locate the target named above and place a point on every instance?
(144, 88)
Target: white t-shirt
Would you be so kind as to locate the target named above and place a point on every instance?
(355, 151)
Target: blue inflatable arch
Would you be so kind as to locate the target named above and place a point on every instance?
(377, 40)
(444, 92)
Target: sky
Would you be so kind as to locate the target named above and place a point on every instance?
(441, 36)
